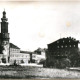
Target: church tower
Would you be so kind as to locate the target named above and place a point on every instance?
(4, 39)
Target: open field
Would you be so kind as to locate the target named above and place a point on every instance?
(34, 72)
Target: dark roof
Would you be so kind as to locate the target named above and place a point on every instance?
(14, 46)
(68, 38)
(26, 52)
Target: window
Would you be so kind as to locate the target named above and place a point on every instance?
(66, 46)
(70, 45)
(13, 50)
(63, 41)
(69, 40)
(74, 45)
(16, 55)
(57, 41)
(61, 46)
(57, 46)
(22, 55)
(33, 56)
(12, 55)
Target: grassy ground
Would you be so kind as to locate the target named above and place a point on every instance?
(33, 72)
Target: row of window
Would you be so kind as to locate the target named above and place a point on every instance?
(59, 55)
(19, 61)
(14, 50)
(19, 56)
(66, 46)
(63, 41)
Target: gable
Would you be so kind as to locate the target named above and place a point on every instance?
(14, 46)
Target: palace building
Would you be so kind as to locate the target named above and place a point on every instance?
(63, 53)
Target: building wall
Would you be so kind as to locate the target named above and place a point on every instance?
(19, 57)
(37, 57)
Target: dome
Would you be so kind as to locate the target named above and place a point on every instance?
(4, 12)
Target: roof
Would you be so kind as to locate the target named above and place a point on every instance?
(14, 46)
(40, 50)
(26, 52)
(68, 38)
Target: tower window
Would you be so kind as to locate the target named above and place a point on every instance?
(63, 41)
(69, 40)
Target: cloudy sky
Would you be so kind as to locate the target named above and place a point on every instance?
(38, 23)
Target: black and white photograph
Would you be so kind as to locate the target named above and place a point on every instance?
(40, 39)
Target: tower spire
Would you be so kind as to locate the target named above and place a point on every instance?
(4, 19)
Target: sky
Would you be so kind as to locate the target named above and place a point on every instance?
(34, 24)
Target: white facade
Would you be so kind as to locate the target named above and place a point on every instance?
(19, 57)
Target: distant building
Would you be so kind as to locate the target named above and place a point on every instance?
(39, 56)
(63, 53)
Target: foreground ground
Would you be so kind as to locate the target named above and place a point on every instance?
(34, 72)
